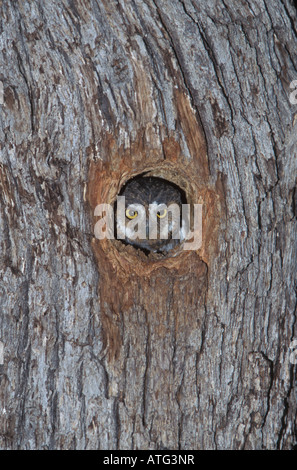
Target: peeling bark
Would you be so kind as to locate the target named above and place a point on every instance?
(104, 348)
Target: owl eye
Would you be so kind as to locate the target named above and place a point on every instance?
(162, 213)
(131, 214)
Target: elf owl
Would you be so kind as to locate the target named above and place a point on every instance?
(152, 215)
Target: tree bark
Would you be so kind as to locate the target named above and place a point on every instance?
(100, 346)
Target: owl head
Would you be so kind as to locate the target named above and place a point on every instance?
(153, 210)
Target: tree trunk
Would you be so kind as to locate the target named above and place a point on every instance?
(102, 347)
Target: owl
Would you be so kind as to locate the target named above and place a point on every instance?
(153, 214)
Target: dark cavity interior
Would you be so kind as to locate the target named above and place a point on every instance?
(139, 185)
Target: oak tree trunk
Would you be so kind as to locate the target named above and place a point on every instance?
(102, 347)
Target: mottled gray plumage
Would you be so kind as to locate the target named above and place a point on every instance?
(152, 190)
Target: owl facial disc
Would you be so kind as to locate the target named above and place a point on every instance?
(153, 214)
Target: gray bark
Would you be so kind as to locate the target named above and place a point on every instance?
(192, 355)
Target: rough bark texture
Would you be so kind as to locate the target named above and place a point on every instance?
(101, 347)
